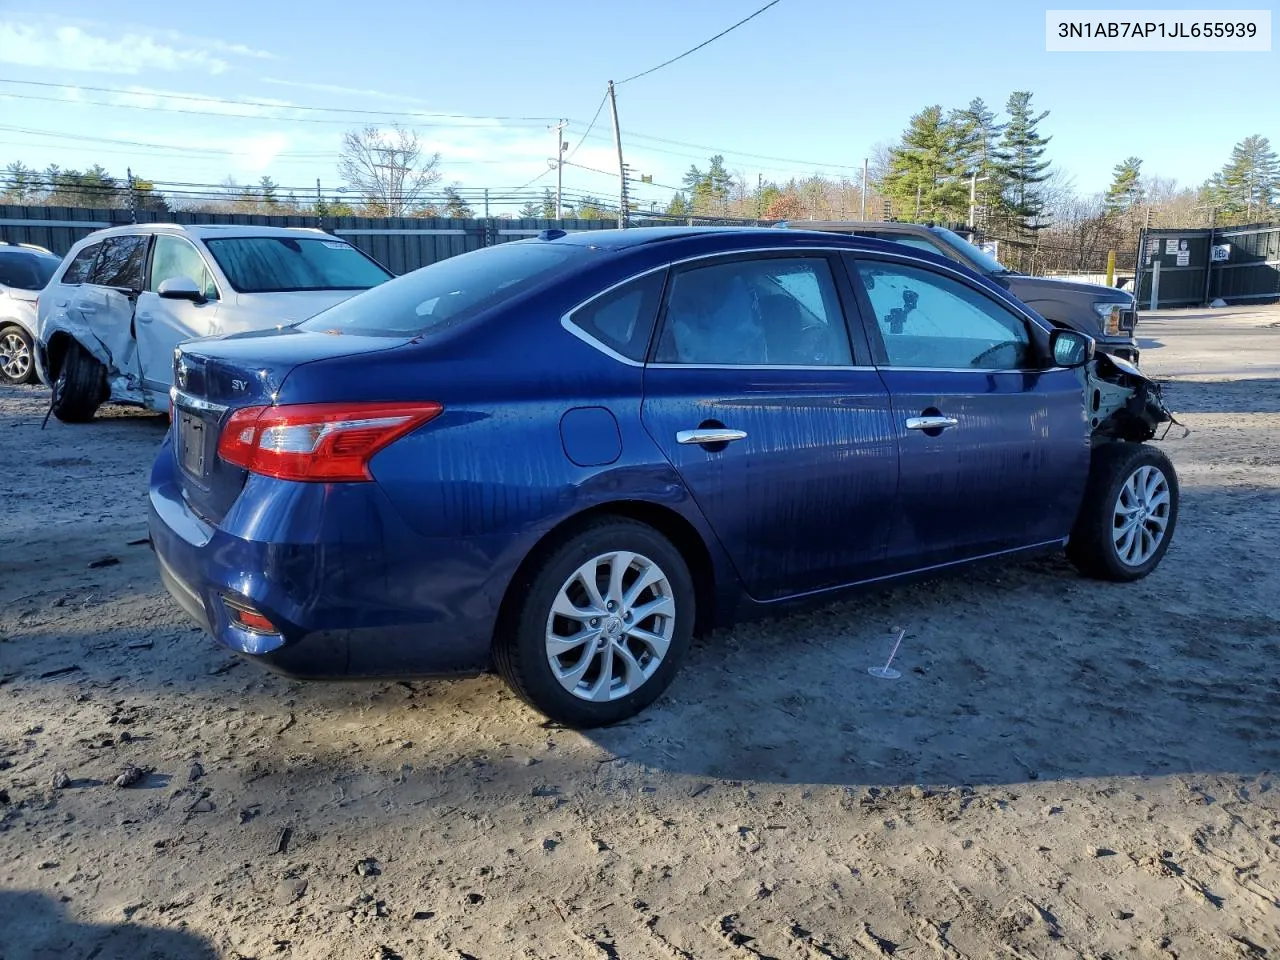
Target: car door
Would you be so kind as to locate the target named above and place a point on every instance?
(779, 430)
(163, 323)
(104, 303)
(994, 440)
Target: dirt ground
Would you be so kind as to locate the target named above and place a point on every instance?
(1064, 769)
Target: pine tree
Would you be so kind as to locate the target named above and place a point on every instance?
(926, 171)
(454, 206)
(21, 183)
(548, 205)
(531, 210)
(268, 188)
(679, 205)
(977, 135)
(1249, 183)
(1126, 191)
(1019, 161)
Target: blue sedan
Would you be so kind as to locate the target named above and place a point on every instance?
(564, 456)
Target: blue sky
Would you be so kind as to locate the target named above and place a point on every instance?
(816, 83)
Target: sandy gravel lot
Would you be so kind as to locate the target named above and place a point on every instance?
(1065, 768)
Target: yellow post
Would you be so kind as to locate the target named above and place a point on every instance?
(1111, 268)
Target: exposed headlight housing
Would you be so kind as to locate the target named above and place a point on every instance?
(1110, 314)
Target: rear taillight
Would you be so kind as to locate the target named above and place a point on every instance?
(321, 442)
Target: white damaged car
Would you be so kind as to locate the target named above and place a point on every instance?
(125, 297)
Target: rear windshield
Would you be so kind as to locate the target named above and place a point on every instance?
(281, 264)
(448, 292)
(26, 271)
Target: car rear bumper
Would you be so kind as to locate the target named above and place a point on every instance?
(375, 601)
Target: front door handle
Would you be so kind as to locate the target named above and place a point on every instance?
(710, 435)
(931, 423)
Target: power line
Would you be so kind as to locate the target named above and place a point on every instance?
(589, 126)
(645, 73)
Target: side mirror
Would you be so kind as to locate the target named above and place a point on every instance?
(181, 288)
(1070, 348)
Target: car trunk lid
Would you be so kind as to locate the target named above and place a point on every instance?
(214, 378)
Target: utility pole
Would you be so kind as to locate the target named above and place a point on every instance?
(759, 196)
(133, 207)
(973, 199)
(560, 148)
(486, 203)
(319, 206)
(622, 169)
(919, 187)
(862, 209)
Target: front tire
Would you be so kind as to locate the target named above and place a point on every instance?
(17, 365)
(603, 624)
(1128, 514)
(80, 387)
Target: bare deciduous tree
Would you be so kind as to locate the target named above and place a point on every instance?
(388, 170)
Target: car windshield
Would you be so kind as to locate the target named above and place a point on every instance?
(448, 292)
(26, 271)
(281, 264)
(988, 263)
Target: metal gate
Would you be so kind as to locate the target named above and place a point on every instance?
(1193, 267)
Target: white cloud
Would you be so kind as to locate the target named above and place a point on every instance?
(344, 91)
(70, 47)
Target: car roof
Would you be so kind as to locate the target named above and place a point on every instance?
(207, 231)
(8, 250)
(744, 237)
(890, 225)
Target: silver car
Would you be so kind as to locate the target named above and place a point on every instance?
(125, 297)
(24, 270)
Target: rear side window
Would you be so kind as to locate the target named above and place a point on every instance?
(448, 292)
(622, 319)
(123, 262)
(78, 271)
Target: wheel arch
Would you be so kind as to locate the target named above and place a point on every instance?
(682, 533)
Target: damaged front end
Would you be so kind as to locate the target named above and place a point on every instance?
(1122, 402)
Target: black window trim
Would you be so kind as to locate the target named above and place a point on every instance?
(1036, 334)
(151, 255)
(849, 317)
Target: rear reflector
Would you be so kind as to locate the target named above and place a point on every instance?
(319, 442)
(246, 618)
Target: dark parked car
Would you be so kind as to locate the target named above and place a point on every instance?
(1107, 314)
(564, 455)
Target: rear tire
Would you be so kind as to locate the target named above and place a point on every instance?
(17, 363)
(1128, 514)
(80, 387)
(600, 625)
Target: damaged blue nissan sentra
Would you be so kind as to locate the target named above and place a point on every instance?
(564, 456)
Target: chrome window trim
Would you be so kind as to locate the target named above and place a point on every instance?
(567, 323)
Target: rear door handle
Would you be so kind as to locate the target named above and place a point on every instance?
(931, 423)
(710, 435)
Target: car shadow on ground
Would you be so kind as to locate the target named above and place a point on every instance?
(36, 927)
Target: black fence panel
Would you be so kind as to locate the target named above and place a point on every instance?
(1199, 265)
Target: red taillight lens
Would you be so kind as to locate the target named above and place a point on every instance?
(321, 442)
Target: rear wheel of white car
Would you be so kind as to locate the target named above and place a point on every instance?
(80, 387)
(601, 627)
(16, 365)
(1128, 514)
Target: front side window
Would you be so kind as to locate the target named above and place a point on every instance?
(284, 264)
(122, 263)
(80, 268)
(928, 319)
(761, 311)
(175, 257)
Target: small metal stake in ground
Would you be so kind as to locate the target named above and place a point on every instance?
(887, 672)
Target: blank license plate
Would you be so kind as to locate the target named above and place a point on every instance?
(191, 443)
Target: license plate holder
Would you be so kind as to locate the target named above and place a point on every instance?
(191, 445)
